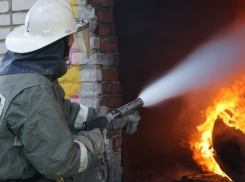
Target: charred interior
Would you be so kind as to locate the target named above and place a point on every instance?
(154, 36)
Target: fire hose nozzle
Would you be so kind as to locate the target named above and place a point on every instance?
(102, 122)
(128, 108)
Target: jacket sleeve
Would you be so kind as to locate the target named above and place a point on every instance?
(70, 109)
(75, 113)
(39, 123)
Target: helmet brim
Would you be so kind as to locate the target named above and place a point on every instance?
(17, 41)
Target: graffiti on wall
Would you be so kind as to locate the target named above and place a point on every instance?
(71, 81)
(74, 7)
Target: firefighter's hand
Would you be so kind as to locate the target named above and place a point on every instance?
(127, 123)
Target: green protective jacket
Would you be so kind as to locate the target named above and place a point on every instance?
(34, 134)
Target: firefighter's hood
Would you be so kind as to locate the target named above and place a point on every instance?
(46, 61)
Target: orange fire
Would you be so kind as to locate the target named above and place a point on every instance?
(228, 99)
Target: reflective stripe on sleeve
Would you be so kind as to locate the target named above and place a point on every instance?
(83, 158)
(2, 102)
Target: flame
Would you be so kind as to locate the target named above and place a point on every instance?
(229, 105)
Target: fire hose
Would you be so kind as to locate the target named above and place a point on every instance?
(103, 122)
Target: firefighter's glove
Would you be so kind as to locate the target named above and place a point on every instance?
(127, 123)
(98, 112)
(86, 114)
(92, 140)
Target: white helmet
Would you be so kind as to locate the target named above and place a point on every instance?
(46, 22)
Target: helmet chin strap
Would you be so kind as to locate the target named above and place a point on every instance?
(67, 47)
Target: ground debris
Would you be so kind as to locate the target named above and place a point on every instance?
(206, 177)
(150, 176)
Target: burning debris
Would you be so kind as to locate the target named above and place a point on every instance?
(229, 147)
(221, 146)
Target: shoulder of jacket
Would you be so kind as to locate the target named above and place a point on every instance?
(24, 79)
(15, 83)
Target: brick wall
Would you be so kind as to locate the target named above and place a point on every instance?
(100, 71)
(92, 82)
(99, 74)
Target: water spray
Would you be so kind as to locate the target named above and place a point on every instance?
(216, 60)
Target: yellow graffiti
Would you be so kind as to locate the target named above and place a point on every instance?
(71, 81)
(73, 2)
(74, 7)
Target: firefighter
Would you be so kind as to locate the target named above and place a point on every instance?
(36, 122)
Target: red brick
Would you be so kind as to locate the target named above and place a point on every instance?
(104, 17)
(102, 3)
(117, 89)
(107, 89)
(117, 143)
(116, 60)
(112, 133)
(112, 102)
(111, 89)
(108, 46)
(104, 30)
(110, 75)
